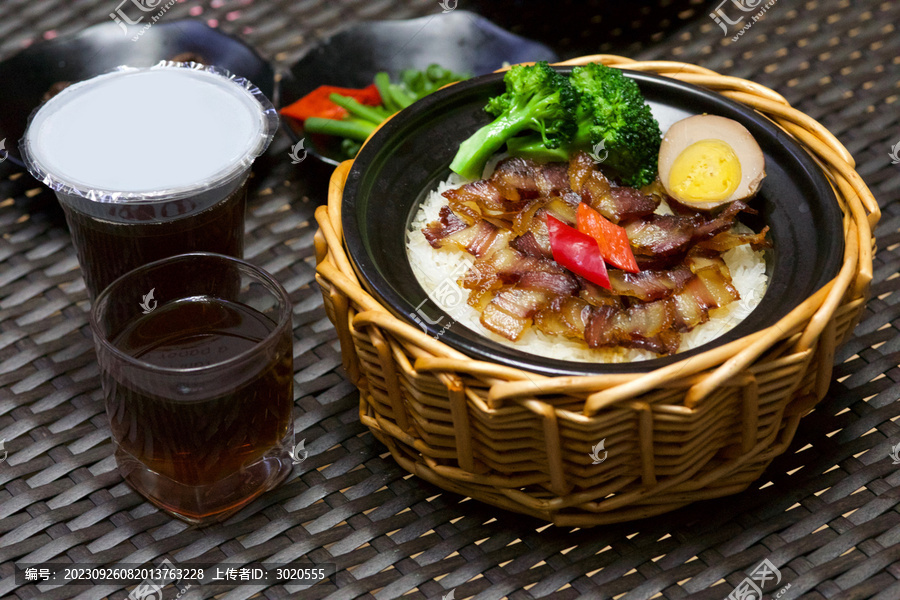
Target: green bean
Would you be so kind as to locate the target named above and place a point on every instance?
(357, 109)
(383, 83)
(353, 129)
(401, 96)
(350, 148)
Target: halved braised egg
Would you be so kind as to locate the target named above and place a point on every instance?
(706, 161)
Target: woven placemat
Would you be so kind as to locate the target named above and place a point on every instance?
(825, 514)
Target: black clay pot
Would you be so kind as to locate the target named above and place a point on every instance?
(411, 154)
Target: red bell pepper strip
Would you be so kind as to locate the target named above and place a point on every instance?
(611, 239)
(317, 104)
(577, 252)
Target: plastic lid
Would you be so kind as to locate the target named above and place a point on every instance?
(157, 133)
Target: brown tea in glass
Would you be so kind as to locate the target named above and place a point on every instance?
(198, 382)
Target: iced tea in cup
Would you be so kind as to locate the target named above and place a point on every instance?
(149, 163)
(196, 363)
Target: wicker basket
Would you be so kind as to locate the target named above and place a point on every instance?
(700, 428)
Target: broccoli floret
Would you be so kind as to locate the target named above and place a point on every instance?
(536, 98)
(614, 119)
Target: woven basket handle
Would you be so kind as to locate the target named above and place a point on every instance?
(329, 219)
(828, 298)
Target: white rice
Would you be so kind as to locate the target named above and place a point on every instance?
(438, 270)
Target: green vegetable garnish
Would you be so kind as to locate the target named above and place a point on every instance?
(611, 114)
(353, 114)
(354, 129)
(373, 114)
(536, 98)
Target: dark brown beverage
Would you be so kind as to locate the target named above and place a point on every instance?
(202, 448)
(134, 195)
(125, 236)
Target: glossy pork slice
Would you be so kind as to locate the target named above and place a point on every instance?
(615, 203)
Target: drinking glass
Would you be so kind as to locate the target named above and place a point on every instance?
(196, 364)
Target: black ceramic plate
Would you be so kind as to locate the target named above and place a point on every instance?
(460, 41)
(410, 155)
(29, 74)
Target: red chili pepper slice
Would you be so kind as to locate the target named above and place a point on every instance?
(611, 239)
(317, 104)
(577, 251)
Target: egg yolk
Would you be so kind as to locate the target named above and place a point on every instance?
(705, 171)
